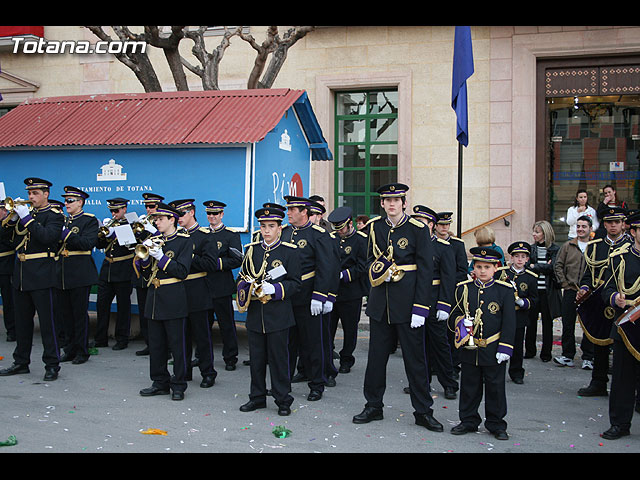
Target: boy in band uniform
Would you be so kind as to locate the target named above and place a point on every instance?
(398, 305)
(222, 281)
(270, 268)
(443, 285)
(35, 233)
(526, 284)
(199, 295)
(114, 279)
(165, 269)
(485, 311)
(77, 273)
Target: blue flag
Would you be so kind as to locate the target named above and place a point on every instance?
(462, 69)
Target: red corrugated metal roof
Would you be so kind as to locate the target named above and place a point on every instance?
(162, 118)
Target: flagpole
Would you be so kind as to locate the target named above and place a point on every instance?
(459, 216)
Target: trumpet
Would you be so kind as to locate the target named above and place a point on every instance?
(259, 293)
(142, 251)
(10, 205)
(103, 231)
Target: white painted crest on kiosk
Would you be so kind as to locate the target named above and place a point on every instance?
(285, 141)
(111, 171)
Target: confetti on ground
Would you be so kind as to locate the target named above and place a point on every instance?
(154, 431)
(10, 442)
(281, 432)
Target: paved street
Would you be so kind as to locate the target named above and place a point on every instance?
(95, 407)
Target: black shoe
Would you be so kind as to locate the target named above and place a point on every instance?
(80, 359)
(98, 344)
(450, 393)
(426, 420)
(344, 369)
(406, 390)
(50, 374)
(14, 370)
(314, 395)
(614, 433)
(11, 337)
(461, 429)
(230, 367)
(252, 405)
(545, 359)
(143, 352)
(208, 381)
(120, 346)
(529, 355)
(367, 415)
(501, 435)
(517, 381)
(331, 382)
(152, 391)
(284, 410)
(593, 391)
(67, 357)
(177, 396)
(299, 378)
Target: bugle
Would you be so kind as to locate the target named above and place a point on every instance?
(103, 231)
(10, 205)
(142, 251)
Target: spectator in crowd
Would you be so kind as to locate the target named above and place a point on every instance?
(361, 221)
(486, 237)
(543, 256)
(610, 200)
(580, 208)
(569, 267)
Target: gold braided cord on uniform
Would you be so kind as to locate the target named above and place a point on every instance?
(594, 264)
(620, 280)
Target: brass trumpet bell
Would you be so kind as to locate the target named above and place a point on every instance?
(142, 251)
(10, 205)
(396, 273)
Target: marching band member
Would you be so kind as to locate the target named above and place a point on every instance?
(486, 337)
(400, 259)
(7, 261)
(165, 267)
(623, 294)
(114, 279)
(222, 281)
(77, 272)
(35, 232)
(268, 281)
(199, 295)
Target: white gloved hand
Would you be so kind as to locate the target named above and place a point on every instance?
(156, 253)
(417, 321)
(502, 357)
(441, 315)
(106, 220)
(327, 307)
(468, 322)
(22, 210)
(520, 302)
(316, 307)
(388, 279)
(268, 289)
(111, 230)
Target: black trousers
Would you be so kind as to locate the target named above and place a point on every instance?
(199, 332)
(270, 349)
(624, 374)
(600, 372)
(106, 292)
(348, 314)
(473, 380)
(439, 352)
(8, 311)
(223, 312)
(74, 306)
(168, 336)
(141, 293)
(547, 328)
(516, 367)
(382, 341)
(327, 346)
(27, 304)
(305, 341)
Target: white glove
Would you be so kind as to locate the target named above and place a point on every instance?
(388, 279)
(22, 210)
(520, 302)
(327, 307)
(416, 321)
(111, 230)
(106, 220)
(148, 243)
(468, 322)
(268, 289)
(502, 357)
(156, 253)
(441, 315)
(316, 307)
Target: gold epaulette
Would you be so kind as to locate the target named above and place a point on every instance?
(417, 223)
(531, 273)
(621, 250)
(506, 284)
(287, 244)
(332, 234)
(468, 280)
(456, 238)
(204, 230)
(443, 241)
(255, 243)
(183, 234)
(318, 227)
(595, 240)
(88, 214)
(503, 268)
(374, 219)
(362, 234)
(56, 210)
